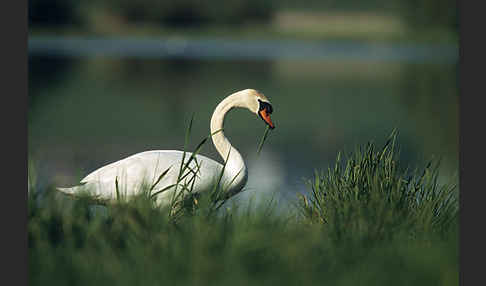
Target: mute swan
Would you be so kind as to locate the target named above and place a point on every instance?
(127, 175)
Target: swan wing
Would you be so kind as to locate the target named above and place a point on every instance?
(145, 168)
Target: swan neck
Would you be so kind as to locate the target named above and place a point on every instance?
(235, 169)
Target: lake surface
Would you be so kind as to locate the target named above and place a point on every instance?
(93, 101)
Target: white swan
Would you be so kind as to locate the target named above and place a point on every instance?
(126, 176)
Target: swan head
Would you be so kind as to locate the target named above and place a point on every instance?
(257, 103)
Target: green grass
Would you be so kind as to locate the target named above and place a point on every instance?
(374, 198)
(367, 221)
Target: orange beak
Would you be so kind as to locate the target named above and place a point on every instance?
(266, 117)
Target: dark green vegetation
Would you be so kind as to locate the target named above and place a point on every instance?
(417, 20)
(367, 221)
(234, 12)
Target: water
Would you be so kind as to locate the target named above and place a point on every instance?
(94, 101)
(227, 49)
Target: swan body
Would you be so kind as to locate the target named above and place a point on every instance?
(127, 176)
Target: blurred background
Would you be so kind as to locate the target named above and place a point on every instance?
(111, 78)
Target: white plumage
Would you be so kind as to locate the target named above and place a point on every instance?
(129, 174)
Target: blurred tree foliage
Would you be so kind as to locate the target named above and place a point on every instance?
(182, 13)
(419, 14)
(430, 13)
(175, 13)
(54, 13)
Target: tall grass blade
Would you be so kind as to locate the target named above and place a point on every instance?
(262, 141)
(116, 189)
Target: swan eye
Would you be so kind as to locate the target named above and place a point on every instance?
(269, 108)
(265, 105)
